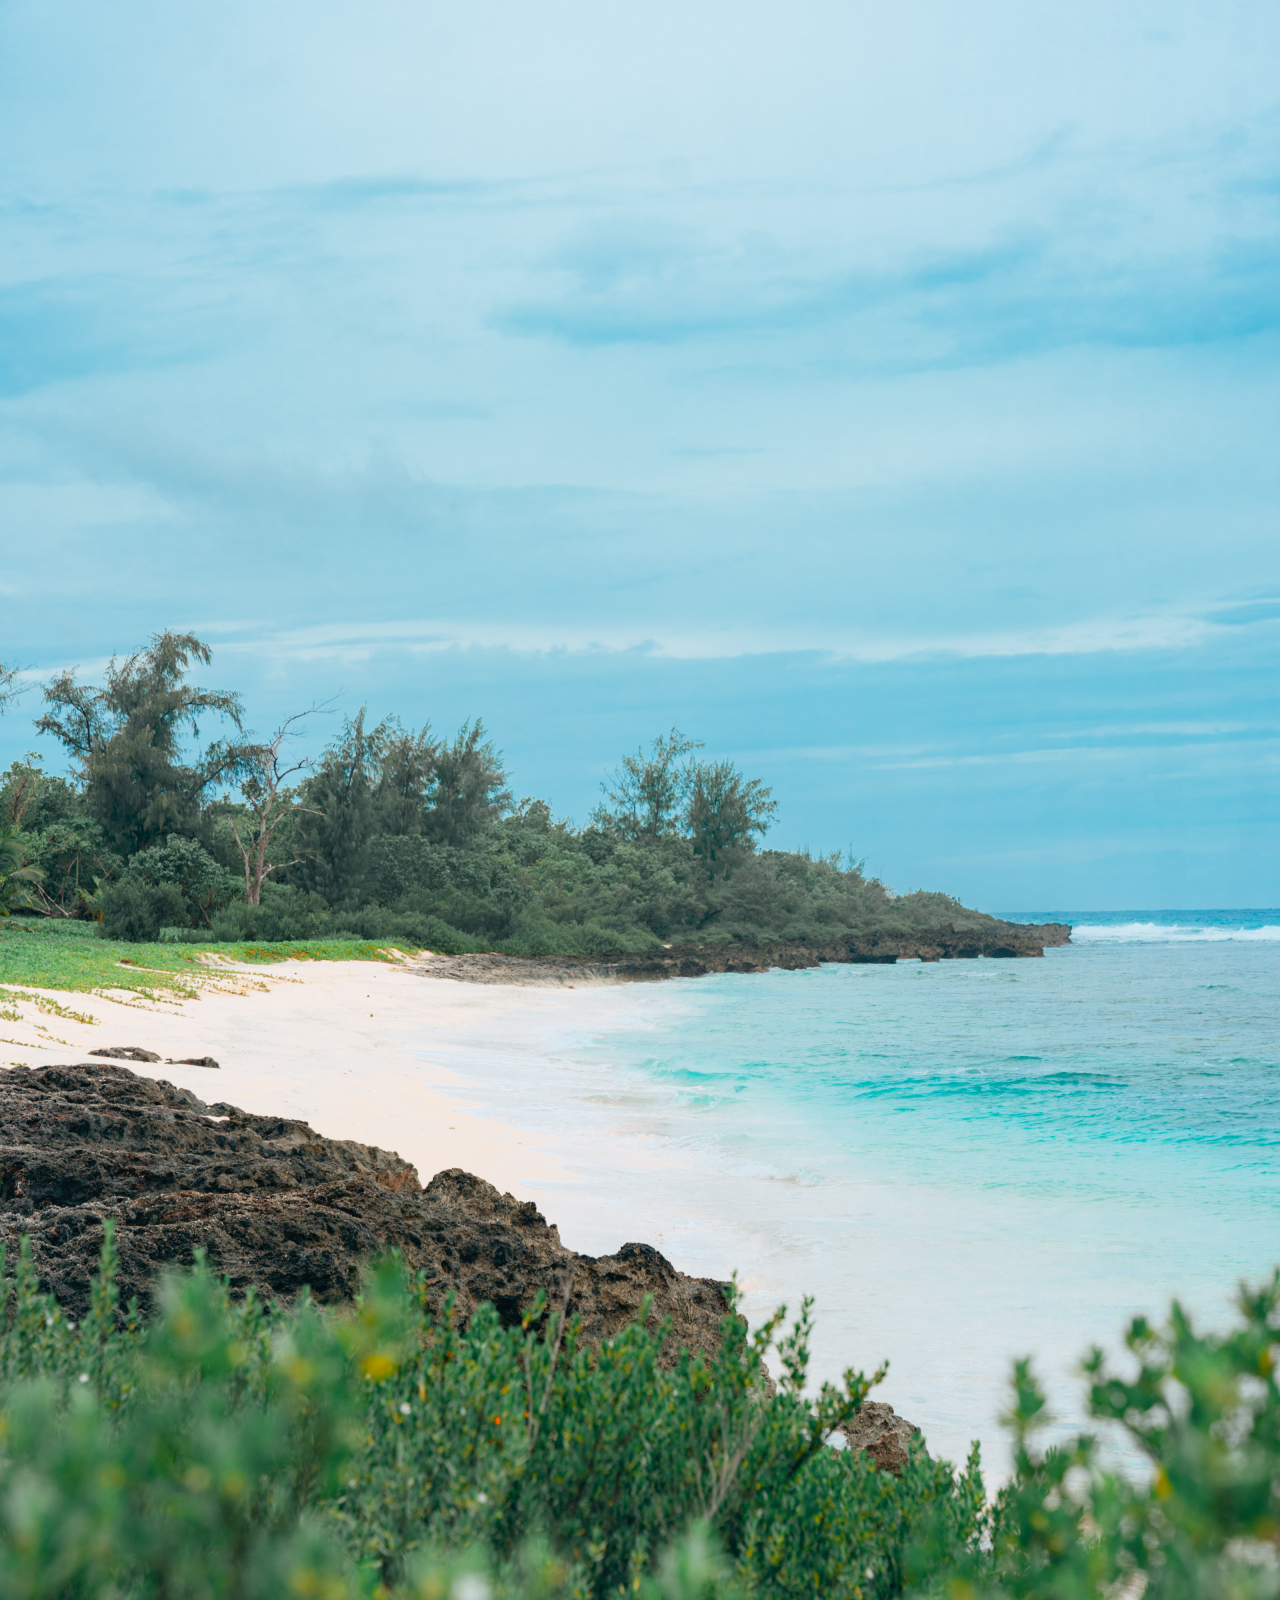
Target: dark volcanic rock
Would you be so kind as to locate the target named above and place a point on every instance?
(996, 940)
(277, 1207)
(126, 1052)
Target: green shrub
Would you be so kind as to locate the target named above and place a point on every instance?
(173, 885)
(231, 1450)
(234, 1450)
(136, 911)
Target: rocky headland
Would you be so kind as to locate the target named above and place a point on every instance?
(995, 940)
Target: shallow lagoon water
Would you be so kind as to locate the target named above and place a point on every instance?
(962, 1162)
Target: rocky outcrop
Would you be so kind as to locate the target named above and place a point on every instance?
(883, 1434)
(133, 1052)
(277, 1207)
(995, 940)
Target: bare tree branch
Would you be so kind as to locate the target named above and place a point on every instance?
(8, 694)
(269, 798)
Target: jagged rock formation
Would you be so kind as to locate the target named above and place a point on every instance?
(997, 940)
(277, 1207)
(882, 1433)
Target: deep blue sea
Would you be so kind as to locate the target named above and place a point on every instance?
(962, 1162)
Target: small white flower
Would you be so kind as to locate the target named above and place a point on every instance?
(470, 1586)
(84, 1377)
(482, 1498)
(405, 1408)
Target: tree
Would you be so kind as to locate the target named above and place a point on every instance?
(469, 788)
(406, 765)
(20, 789)
(723, 813)
(57, 836)
(336, 821)
(649, 792)
(271, 802)
(17, 877)
(126, 737)
(8, 694)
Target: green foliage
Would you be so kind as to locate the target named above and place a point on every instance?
(648, 792)
(18, 877)
(58, 838)
(397, 835)
(1202, 1524)
(334, 841)
(40, 953)
(230, 1449)
(125, 740)
(389, 783)
(177, 884)
(468, 788)
(724, 811)
(710, 804)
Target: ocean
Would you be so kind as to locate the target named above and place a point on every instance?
(961, 1162)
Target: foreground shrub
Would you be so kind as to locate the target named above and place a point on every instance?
(232, 1450)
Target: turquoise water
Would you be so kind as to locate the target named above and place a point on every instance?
(1139, 1073)
(962, 1161)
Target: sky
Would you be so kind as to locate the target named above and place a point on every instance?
(886, 395)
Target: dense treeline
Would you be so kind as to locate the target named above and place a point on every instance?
(231, 1450)
(395, 834)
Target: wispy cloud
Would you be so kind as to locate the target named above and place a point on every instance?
(1015, 297)
(765, 389)
(355, 641)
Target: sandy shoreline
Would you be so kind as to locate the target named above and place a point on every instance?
(348, 1047)
(551, 1094)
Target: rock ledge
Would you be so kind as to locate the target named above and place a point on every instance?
(277, 1207)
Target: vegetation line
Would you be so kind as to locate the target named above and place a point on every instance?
(390, 837)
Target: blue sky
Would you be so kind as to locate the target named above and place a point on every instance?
(886, 395)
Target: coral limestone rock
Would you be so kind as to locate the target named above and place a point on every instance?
(278, 1207)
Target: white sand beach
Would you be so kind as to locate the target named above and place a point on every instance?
(325, 1042)
(550, 1094)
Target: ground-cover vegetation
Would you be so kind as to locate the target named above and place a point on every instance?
(394, 835)
(45, 953)
(231, 1449)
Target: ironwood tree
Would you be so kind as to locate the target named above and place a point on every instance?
(126, 741)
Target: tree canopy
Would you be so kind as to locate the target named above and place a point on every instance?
(125, 741)
(394, 832)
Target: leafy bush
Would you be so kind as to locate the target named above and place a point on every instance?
(136, 911)
(231, 1449)
(177, 884)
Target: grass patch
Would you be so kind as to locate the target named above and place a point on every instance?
(71, 956)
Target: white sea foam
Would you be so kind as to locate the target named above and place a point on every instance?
(1168, 933)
